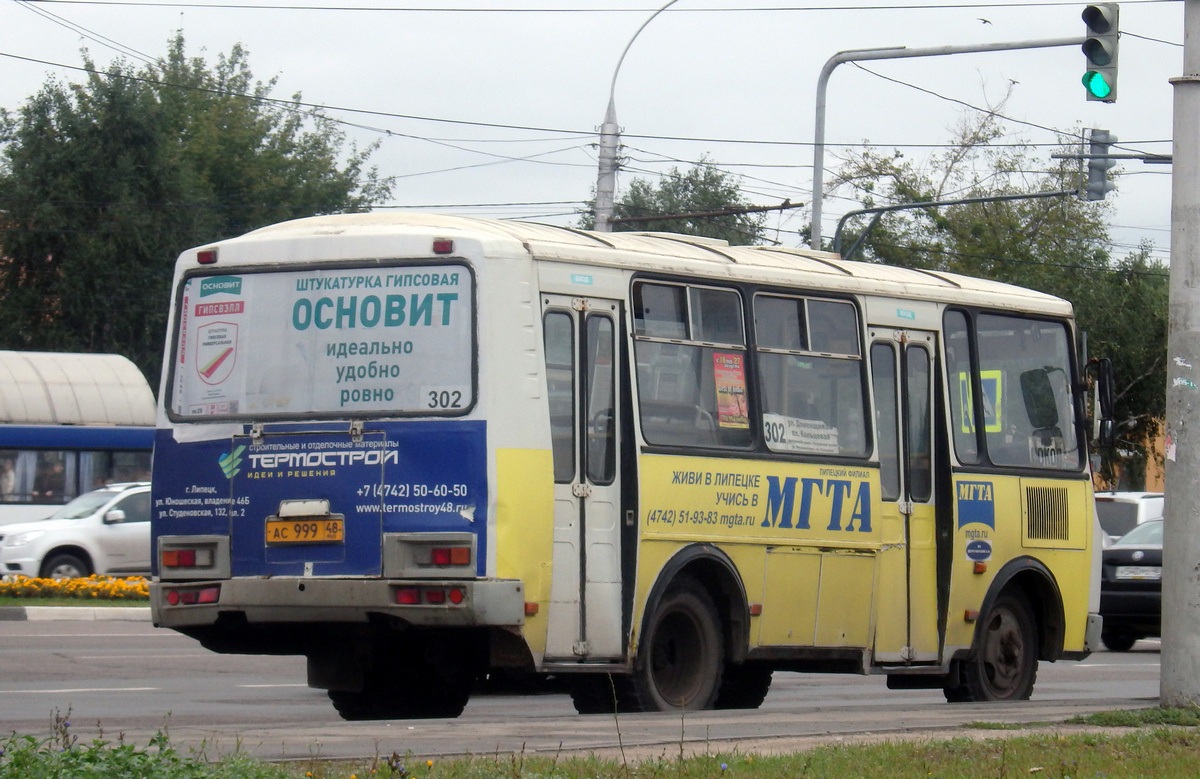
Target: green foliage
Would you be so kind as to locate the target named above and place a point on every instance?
(702, 189)
(1185, 716)
(103, 183)
(1058, 245)
(1157, 752)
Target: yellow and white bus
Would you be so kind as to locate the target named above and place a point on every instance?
(421, 449)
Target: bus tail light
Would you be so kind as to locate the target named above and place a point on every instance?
(450, 555)
(188, 557)
(193, 596)
(429, 596)
(206, 256)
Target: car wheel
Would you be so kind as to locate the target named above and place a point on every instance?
(1118, 641)
(65, 566)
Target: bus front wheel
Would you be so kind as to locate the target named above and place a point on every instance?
(1004, 667)
(681, 656)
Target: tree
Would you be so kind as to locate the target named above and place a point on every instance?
(103, 183)
(1057, 245)
(704, 188)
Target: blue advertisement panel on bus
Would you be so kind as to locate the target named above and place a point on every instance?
(427, 476)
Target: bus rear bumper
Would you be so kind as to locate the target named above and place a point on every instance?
(423, 603)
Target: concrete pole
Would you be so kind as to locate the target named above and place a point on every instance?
(1180, 674)
(606, 179)
(610, 142)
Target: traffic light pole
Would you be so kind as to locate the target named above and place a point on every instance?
(896, 52)
(1179, 683)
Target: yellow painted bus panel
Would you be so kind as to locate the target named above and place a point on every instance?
(525, 529)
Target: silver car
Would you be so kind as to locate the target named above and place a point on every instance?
(105, 531)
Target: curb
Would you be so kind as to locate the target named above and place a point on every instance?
(74, 613)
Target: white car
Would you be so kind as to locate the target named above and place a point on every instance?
(105, 531)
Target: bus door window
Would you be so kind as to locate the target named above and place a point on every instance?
(601, 400)
(917, 431)
(887, 425)
(560, 379)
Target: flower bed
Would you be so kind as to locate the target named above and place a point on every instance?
(94, 587)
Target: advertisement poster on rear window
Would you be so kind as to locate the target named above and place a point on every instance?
(346, 341)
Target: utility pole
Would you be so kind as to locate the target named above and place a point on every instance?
(1180, 674)
(610, 142)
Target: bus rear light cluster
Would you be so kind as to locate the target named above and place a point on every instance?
(429, 596)
(201, 557)
(193, 596)
(443, 556)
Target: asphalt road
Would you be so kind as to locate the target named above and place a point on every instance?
(127, 677)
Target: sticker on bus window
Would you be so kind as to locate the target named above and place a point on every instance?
(993, 399)
(729, 373)
(793, 434)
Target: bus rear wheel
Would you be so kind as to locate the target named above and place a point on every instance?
(1004, 667)
(681, 657)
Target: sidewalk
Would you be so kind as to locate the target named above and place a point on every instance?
(75, 613)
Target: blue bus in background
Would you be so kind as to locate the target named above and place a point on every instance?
(69, 423)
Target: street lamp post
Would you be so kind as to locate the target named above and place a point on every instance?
(610, 141)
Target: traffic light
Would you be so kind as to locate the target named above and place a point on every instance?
(1100, 48)
(1099, 164)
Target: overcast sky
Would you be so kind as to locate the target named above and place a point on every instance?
(490, 107)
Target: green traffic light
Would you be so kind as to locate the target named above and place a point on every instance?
(1096, 84)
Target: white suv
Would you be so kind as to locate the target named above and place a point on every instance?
(105, 531)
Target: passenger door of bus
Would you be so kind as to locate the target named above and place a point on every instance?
(902, 377)
(582, 357)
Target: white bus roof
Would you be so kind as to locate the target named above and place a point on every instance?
(51, 388)
(660, 252)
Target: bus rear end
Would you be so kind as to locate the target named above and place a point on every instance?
(320, 478)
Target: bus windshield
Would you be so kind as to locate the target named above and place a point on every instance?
(346, 341)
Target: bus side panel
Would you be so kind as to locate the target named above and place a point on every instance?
(816, 524)
(525, 531)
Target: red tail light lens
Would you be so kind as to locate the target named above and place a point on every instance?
(192, 597)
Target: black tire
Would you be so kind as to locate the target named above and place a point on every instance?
(594, 694)
(743, 686)
(1005, 661)
(1118, 641)
(65, 566)
(681, 655)
(418, 692)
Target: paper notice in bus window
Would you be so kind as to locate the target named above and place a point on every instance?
(792, 434)
(729, 372)
(323, 340)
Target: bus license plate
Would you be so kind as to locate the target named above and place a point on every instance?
(301, 530)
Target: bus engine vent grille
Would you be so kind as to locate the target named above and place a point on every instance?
(1046, 513)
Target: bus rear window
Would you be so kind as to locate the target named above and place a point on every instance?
(320, 342)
